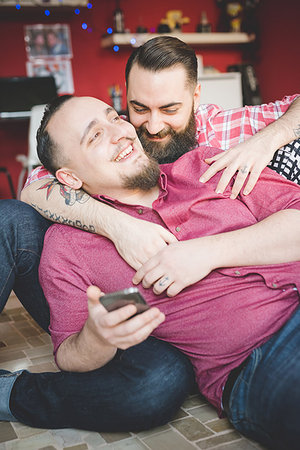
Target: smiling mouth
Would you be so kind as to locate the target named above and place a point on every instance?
(124, 154)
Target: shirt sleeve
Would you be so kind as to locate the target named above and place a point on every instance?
(225, 128)
(272, 193)
(64, 277)
(39, 173)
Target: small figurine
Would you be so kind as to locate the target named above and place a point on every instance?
(174, 20)
(239, 15)
(235, 13)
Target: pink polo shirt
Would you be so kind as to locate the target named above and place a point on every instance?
(218, 321)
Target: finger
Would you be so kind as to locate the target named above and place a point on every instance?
(155, 275)
(142, 271)
(118, 316)
(239, 183)
(212, 170)
(93, 293)
(225, 179)
(141, 334)
(132, 325)
(214, 158)
(168, 237)
(162, 284)
(174, 289)
(254, 176)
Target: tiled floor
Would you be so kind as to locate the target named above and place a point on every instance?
(24, 345)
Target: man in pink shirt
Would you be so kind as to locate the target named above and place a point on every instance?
(235, 310)
(167, 91)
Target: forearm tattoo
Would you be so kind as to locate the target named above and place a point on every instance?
(297, 131)
(58, 218)
(70, 195)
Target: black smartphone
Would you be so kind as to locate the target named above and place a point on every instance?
(116, 300)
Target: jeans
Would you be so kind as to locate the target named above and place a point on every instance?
(140, 388)
(22, 232)
(264, 403)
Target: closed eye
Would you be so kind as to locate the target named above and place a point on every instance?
(94, 136)
(170, 111)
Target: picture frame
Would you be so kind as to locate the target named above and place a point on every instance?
(48, 41)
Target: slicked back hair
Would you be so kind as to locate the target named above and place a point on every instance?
(47, 149)
(164, 52)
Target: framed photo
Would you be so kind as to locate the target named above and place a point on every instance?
(48, 41)
(61, 70)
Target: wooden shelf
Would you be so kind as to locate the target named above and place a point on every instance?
(137, 39)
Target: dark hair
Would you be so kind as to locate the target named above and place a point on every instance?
(161, 53)
(47, 149)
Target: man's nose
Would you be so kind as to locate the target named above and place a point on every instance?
(154, 123)
(117, 133)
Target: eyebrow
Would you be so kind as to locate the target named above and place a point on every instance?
(135, 102)
(93, 123)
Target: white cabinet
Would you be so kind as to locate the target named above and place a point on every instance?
(223, 89)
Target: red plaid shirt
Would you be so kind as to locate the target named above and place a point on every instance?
(219, 128)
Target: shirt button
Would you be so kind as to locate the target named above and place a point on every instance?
(177, 229)
(274, 285)
(140, 211)
(237, 272)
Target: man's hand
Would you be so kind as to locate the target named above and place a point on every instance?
(177, 266)
(116, 328)
(247, 159)
(138, 240)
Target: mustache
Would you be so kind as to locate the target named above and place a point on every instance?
(161, 134)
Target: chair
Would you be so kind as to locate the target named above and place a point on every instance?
(30, 161)
(10, 183)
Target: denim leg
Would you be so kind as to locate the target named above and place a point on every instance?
(141, 388)
(21, 241)
(265, 401)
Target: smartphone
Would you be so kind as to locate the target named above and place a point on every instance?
(118, 299)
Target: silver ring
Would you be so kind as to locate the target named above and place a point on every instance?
(163, 281)
(244, 170)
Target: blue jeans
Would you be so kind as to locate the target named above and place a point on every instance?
(22, 232)
(140, 388)
(264, 404)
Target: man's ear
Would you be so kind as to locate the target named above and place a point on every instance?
(197, 97)
(69, 178)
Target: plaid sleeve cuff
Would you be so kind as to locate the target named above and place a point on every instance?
(39, 173)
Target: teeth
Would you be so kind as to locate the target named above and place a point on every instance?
(124, 153)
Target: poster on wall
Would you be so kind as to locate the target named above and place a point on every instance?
(48, 41)
(61, 70)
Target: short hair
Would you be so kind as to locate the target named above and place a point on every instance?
(164, 52)
(47, 149)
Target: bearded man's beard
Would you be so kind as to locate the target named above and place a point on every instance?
(178, 144)
(145, 180)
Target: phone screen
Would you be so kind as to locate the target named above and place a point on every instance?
(116, 300)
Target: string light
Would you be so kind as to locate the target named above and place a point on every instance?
(77, 11)
(109, 30)
(116, 48)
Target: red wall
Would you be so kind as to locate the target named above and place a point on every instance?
(95, 69)
(278, 61)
